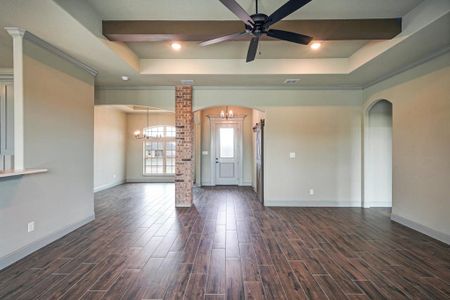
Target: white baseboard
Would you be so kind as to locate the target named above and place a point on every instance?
(378, 204)
(441, 236)
(207, 183)
(276, 203)
(151, 180)
(18, 254)
(108, 185)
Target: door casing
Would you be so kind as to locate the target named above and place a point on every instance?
(239, 121)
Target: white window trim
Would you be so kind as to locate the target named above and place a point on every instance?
(165, 140)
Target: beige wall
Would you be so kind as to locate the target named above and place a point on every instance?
(135, 159)
(59, 126)
(326, 140)
(421, 145)
(247, 143)
(110, 127)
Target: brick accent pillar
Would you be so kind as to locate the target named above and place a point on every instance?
(184, 140)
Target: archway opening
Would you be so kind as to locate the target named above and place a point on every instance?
(225, 148)
(378, 166)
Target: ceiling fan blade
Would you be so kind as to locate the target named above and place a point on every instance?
(252, 49)
(222, 39)
(285, 10)
(290, 36)
(238, 11)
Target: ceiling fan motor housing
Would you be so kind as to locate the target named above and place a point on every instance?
(258, 24)
(259, 20)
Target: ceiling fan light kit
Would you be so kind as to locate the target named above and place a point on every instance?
(259, 24)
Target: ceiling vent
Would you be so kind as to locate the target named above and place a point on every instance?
(187, 82)
(291, 81)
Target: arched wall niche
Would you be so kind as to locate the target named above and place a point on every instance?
(378, 154)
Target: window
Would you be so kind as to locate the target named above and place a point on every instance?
(159, 150)
(226, 139)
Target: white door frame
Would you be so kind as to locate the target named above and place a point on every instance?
(239, 139)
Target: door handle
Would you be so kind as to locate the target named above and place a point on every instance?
(217, 160)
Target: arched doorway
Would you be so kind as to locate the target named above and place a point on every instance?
(209, 125)
(378, 155)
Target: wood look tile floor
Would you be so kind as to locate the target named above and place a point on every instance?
(228, 246)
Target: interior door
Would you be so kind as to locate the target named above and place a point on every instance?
(227, 156)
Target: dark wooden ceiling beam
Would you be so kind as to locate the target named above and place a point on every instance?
(145, 31)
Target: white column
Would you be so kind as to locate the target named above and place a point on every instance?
(17, 35)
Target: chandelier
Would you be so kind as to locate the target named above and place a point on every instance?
(145, 134)
(227, 114)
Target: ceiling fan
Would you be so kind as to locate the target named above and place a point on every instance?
(259, 24)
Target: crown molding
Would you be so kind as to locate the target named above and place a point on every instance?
(17, 32)
(277, 87)
(205, 87)
(408, 67)
(58, 52)
(118, 87)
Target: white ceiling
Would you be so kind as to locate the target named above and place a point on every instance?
(214, 10)
(75, 27)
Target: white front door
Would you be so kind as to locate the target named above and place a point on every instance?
(227, 153)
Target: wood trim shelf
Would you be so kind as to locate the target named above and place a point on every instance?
(12, 173)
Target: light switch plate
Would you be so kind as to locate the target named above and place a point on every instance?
(31, 226)
(292, 155)
(204, 152)
(311, 192)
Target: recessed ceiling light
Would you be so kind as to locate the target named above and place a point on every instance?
(315, 45)
(176, 46)
(125, 78)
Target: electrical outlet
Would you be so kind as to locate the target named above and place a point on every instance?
(205, 153)
(292, 155)
(31, 226)
(114, 175)
(311, 192)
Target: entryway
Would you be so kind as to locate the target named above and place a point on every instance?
(226, 147)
